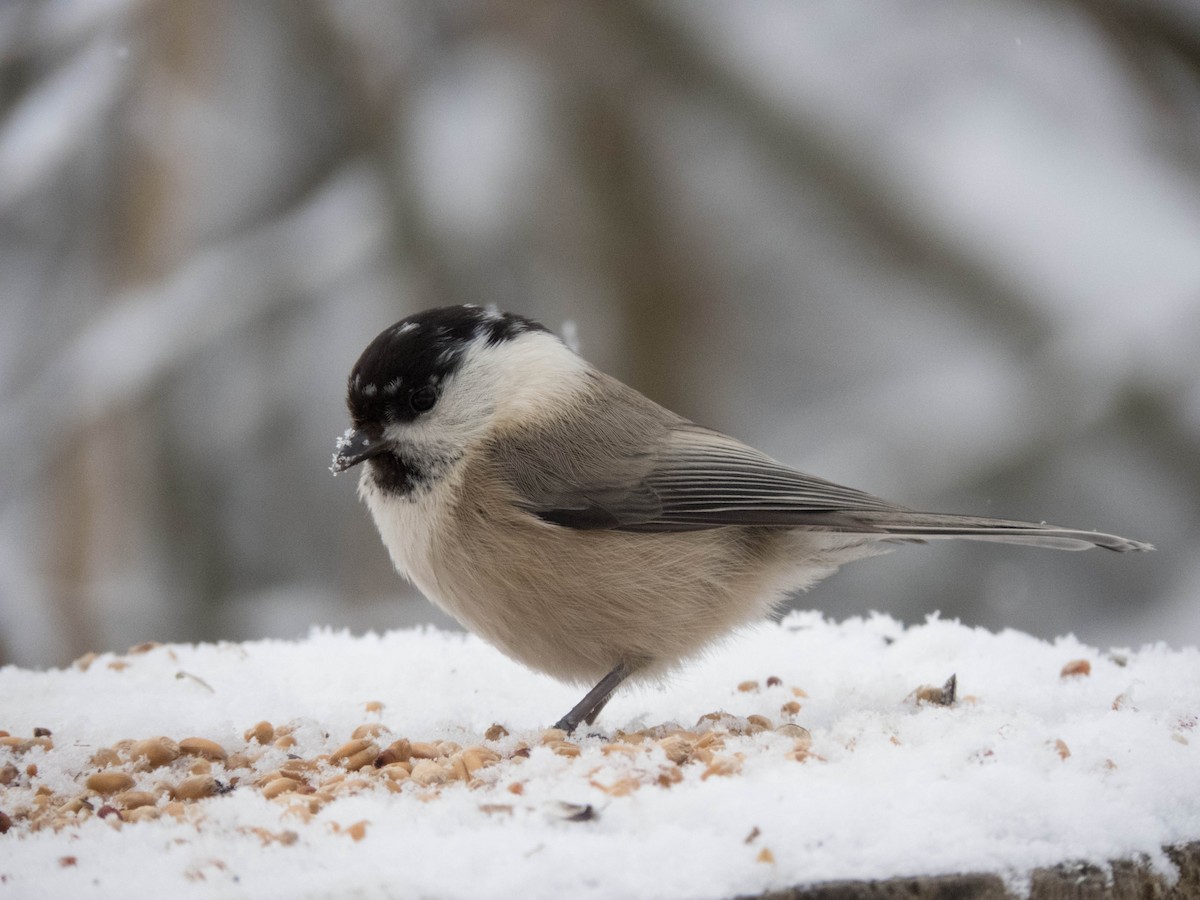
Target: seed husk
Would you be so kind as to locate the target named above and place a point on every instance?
(135, 799)
(298, 768)
(280, 786)
(195, 788)
(351, 749)
(175, 809)
(397, 751)
(668, 777)
(476, 758)
(109, 782)
(76, 803)
(938, 696)
(723, 766)
(677, 749)
(20, 744)
(239, 760)
(427, 772)
(198, 746)
(1075, 668)
(801, 734)
(104, 758)
(263, 732)
(458, 768)
(156, 751)
(622, 748)
(424, 750)
(362, 758)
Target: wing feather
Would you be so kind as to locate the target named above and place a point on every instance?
(652, 471)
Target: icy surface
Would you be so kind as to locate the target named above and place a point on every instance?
(1029, 768)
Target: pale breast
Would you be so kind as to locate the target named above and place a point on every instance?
(573, 603)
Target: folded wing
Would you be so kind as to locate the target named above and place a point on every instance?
(655, 473)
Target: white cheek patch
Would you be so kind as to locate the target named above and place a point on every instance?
(496, 383)
(524, 375)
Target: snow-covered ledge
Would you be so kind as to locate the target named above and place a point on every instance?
(415, 764)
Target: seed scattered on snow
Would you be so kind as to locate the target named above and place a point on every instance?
(154, 752)
(109, 782)
(937, 696)
(427, 772)
(395, 752)
(262, 733)
(198, 768)
(198, 746)
(1075, 668)
(423, 750)
(280, 786)
(196, 788)
(135, 799)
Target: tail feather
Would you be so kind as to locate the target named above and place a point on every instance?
(903, 525)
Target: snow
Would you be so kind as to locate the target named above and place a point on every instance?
(1030, 767)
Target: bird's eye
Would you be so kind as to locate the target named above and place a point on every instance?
(423, 399)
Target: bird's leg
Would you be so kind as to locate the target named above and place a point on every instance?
(589, 707)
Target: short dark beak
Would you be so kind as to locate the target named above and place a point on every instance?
(355, 446)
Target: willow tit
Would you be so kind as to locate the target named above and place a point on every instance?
(580, 527)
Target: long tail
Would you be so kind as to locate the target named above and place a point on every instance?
(918, 526)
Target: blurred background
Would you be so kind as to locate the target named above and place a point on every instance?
(946, 253)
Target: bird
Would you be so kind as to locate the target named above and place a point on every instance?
(580, 527)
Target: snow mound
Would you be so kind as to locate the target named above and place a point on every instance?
(415, 763)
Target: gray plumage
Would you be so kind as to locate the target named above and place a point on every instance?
(580, 527)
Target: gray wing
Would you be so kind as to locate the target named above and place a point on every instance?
(704, 479)
(651, 471)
